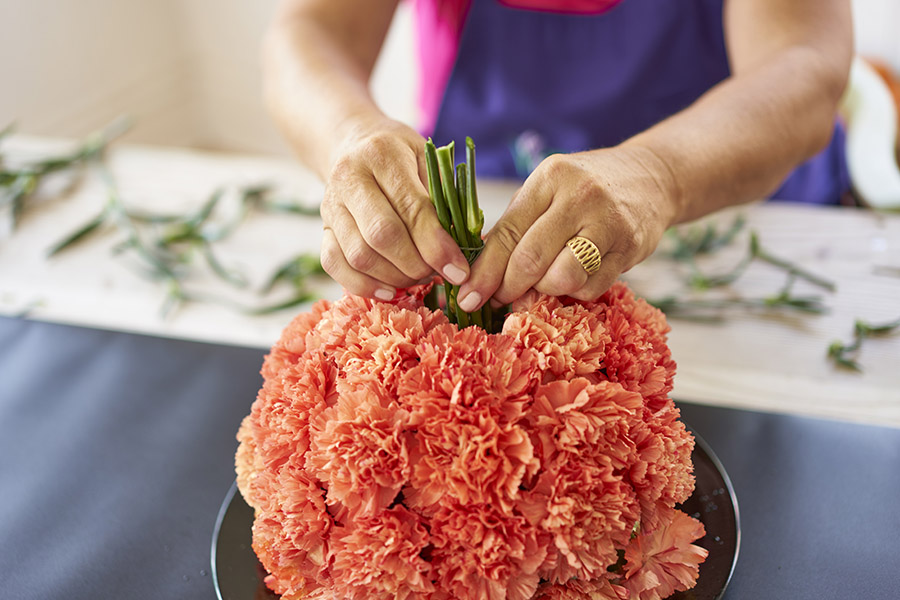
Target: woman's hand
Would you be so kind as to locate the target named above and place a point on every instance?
(622, 199)
(381, 229)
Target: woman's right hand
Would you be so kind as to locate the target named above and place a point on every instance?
(381, 229)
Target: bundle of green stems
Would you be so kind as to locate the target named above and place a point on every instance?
(454, 193)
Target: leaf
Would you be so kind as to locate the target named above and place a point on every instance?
(838, 351)
(291, 207)
(79, 234)
(231, 276)
(882, 329)
(696, 241)
(295, 271)
(295, 301)
(151, 218)
(205, 211)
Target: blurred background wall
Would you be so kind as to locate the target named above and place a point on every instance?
(188, 70)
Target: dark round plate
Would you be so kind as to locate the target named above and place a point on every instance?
(238, 575)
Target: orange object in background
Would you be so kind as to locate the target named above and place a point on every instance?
(892, 80)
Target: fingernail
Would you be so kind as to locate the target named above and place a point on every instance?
(470, 301)
(454, 274)
(385, 294)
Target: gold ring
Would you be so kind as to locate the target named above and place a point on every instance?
(585, 253)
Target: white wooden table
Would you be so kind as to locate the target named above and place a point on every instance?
(772, 362)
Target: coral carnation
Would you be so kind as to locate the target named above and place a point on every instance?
(379, 558)
(576, 589)
(391, 455)
(664, 560)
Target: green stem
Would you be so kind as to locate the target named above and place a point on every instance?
(461, 191)
(792, 269)
(453, 192)
(434, 185)
(448, 180)
(842, 353)
(474, 214)
(79, 234)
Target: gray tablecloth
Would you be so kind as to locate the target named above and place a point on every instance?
(116, 451)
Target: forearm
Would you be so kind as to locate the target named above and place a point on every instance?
(316, 81)
(739, 141)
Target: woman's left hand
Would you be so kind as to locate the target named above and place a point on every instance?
(622, 199)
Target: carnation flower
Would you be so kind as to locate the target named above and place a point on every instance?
(470, 369)
(663, 470)
(360, 453)
(484, 553)
(569, 341)
(292, 344)
(587, 509)
(577, 589)
(381, 345)
(378, 558)
(664, 560)
(638, 356)
(279, 419)
(465, 395)
(580, 417)
(390, 454)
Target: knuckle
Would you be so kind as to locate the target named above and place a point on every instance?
(630, 243)
(328, 206)
(528, 263)
(420, 272)
(629, 237)
(594, 288)
(587, 191)
(361, 258)
(584, 294)
(329, 259)
(343, 169)
(555, 166)
(375, 147)
(562, 279)
(412, 209)
(568, 281)
(506, 236)
(383, 233)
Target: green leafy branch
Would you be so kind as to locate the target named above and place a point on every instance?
(843, 355)
(711, 309)
(18, 184)
(695, 241)
(698, 241)
(166, 244)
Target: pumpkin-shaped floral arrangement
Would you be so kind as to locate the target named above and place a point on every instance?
(400, 452)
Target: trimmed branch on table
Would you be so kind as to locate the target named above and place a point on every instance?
(18, 184)
(843, 355)
(166, 244)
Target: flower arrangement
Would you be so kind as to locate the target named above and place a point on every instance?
(396, 451)
(391, 454)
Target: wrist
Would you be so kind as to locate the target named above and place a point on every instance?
(664, 178)
(356, 126)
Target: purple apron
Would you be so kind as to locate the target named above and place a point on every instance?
(528, 82)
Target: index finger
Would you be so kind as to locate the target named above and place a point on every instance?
(402, 184)
(529, 203)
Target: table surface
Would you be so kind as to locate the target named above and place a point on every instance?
(761, 360)
(113, 470)
(116, 449)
